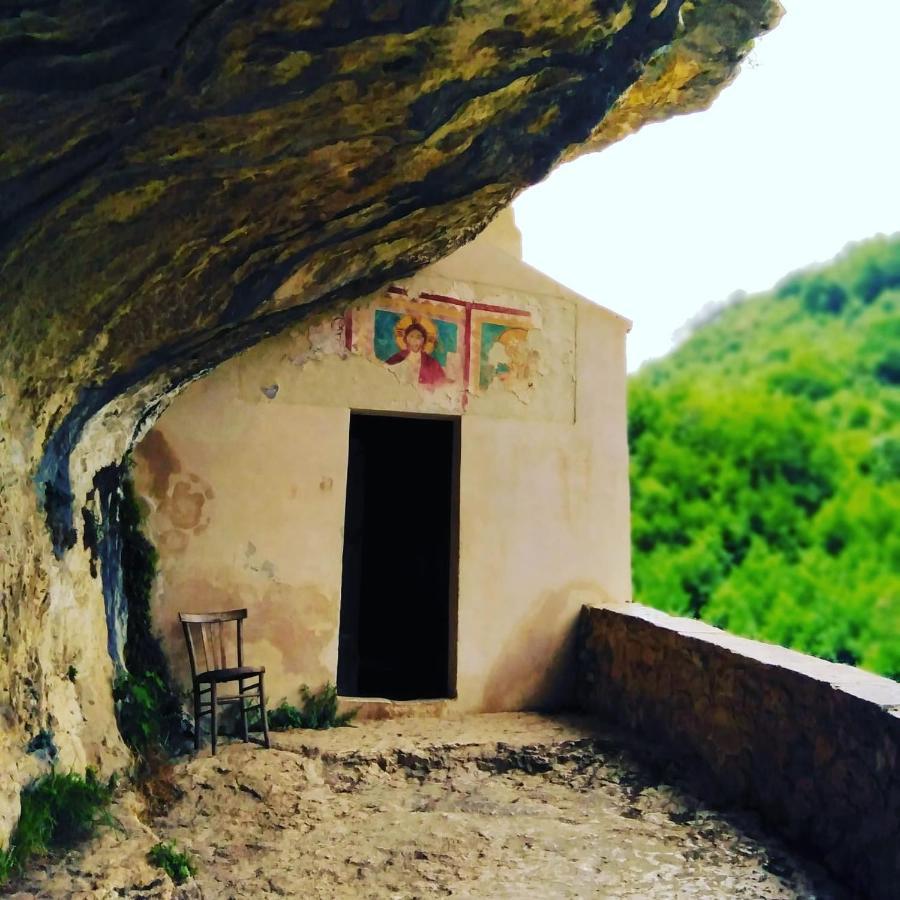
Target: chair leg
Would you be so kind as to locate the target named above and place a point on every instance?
(213, 714)
(243, 711)
(196, 718)
(262, 707)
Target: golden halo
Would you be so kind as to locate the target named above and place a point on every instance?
(513, 335)
(424, 323)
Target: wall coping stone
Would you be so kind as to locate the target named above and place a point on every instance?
(876, 689)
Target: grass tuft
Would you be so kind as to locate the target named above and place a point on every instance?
(177, 864)
(148, 720)
(138, 709)
(7, 865)
(318, 710)
(58, 811)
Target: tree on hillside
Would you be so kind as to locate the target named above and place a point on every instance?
(766, 464)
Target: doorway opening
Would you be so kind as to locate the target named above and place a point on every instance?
(399, 585)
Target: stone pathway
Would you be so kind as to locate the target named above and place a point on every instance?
(500, 806)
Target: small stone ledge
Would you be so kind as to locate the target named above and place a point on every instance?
(377, 708)
(813, 745)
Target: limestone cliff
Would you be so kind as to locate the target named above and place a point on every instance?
(182, 178)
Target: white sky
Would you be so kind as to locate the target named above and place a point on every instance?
(798, 157)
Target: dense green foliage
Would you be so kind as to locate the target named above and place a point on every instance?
(147, 706)
(318, 709)
(142, 710)
(177, 864)
(58, 811)
(766, 464)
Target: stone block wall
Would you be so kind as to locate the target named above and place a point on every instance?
(812, 745)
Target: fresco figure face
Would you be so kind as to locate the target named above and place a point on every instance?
(516, 342)
(415, 339)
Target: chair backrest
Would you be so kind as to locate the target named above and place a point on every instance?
(206, 632)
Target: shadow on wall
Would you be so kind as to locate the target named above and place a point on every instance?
(536, 666)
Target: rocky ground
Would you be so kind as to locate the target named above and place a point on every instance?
(502, 806)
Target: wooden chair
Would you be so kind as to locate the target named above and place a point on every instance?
(207, 631)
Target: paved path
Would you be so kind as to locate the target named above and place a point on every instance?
(500, 806)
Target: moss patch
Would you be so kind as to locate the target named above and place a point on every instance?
(147, 704)
(148, 708)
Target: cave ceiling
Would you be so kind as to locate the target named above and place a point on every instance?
(167, 167)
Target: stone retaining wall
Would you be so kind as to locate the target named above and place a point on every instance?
(812, 745)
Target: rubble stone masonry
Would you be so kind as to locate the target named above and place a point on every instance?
(813, 746)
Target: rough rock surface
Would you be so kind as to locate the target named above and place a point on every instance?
(181, 178)
(491, 806)
(814, 746)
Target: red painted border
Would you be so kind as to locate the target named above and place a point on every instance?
(471, 304)
(467, 356)
(442, 299)
(348, 328)
(487, 307)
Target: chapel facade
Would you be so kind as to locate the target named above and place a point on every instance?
(413, 495)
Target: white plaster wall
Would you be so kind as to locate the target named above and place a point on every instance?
(267, 493)
(543, 530)
(246, 492)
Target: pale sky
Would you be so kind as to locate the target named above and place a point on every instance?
(798, 157)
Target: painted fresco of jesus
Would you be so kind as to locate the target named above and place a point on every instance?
(413, 361)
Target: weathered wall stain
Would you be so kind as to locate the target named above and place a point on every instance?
(172, 541)
(185, 506)
(289, 628)
(179, 499)
(301, 622)
(160, 462)
(237, 525)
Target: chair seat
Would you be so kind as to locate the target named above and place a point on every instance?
(219, 675)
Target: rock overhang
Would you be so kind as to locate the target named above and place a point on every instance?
(180, 180)
(168, 171)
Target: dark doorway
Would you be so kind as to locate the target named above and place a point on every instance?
(398, 594)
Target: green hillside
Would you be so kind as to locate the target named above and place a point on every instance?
(766, 464)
